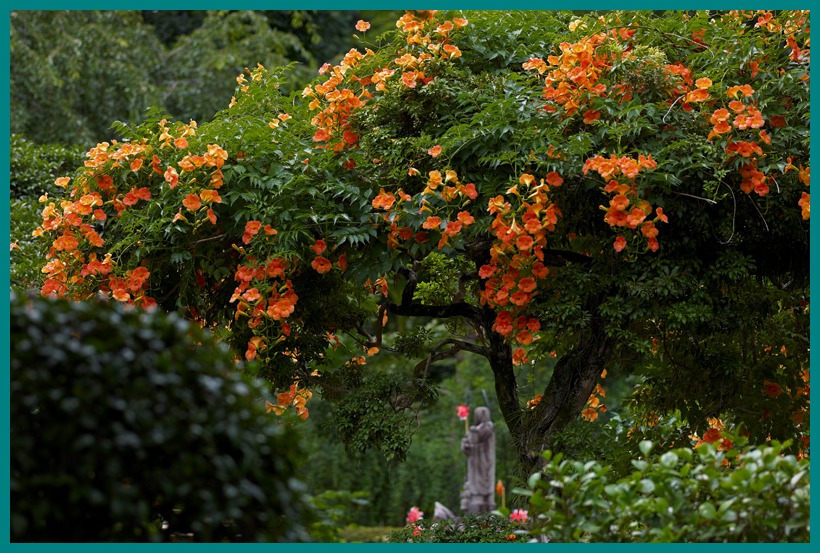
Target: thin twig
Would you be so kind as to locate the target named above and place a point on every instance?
(217, 237)
(694, 197)
(673, 105)
(777, 184)
(703, 44)
(759, 213)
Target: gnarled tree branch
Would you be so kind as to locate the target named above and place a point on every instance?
(408, 308)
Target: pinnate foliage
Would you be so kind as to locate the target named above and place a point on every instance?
(642, 180)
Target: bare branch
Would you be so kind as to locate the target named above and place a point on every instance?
(694, 197)
(438, 353)
(217, 237)
(759, 213)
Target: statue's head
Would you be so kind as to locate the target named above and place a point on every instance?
(482, 414)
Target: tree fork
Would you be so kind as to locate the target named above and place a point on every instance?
(567, 392)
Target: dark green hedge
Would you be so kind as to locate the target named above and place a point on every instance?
(33, 167)
(136, 426)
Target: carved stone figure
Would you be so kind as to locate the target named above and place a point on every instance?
(478, 445)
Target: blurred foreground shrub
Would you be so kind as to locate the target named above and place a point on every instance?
(129, 425)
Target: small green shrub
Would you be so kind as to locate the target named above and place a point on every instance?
(366, 534)
(129, 425)
(748, 494)
(335, 509)
(488, 528)
(33, 167)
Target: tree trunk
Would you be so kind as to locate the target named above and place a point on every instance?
(563, 399)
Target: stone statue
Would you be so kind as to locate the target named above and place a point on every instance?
(478, 445)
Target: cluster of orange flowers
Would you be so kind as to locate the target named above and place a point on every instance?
(747, 118)
(517, 258)
(626, 209)
(298, 397)
(322, 264)
(804, 175)
(790, 29)
(425, 43)
(440, 189)
(577, 71)
(94, 197)
(594, 405)
(264, 293)
(73, 221)
(714, 434)
(680, 83)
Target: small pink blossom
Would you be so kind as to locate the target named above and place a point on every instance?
(362, 25)
(463, 412)
(414, 515)
(520, 515)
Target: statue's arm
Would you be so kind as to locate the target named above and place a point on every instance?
(484, 431)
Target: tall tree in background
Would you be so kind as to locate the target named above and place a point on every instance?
(614, 189)
(202, 65)
(73, 73)
(87, 69)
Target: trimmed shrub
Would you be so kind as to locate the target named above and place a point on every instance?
(128, 425)
(488, 528)
(747, 494)
(27, 252)
(34, 167)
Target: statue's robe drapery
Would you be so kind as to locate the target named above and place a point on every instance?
(479, 446)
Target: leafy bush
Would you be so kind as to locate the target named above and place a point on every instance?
(489, 528)
(366, 534)
(335, 509)
(27, 253)
(129, 425)
(748, 494)
(33, 167)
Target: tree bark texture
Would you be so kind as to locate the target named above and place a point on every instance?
(572, 382)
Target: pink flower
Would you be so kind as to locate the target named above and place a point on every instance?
(414, 515)
(362, 25)
(463, 412)
(520, 515)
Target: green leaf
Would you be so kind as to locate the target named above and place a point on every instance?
(707, 510)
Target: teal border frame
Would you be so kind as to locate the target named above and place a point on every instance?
(337, 5)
